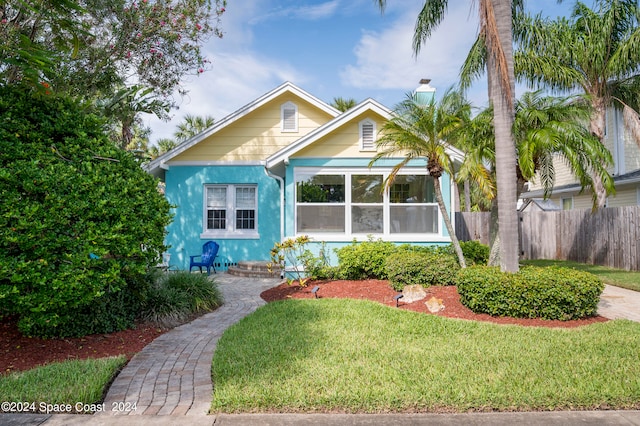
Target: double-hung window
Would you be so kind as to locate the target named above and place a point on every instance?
(231, 211)
(353, 203)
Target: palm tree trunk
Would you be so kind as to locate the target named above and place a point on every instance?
(447, 223)
(502, 99)
(597, 126)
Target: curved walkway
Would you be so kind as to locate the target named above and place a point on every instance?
(172, 375)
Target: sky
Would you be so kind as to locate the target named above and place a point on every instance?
(330, 49)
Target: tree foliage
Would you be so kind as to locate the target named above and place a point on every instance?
(125, 56)
(80, 221)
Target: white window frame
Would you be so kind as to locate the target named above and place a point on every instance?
(347, 235)
(567, 199)
(367, 144)
(288, 106)
(230, 231)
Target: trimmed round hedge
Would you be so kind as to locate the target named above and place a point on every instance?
(424, 267)
(552, 293)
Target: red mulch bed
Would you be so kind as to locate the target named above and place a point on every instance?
(19, 353)
(381, 291)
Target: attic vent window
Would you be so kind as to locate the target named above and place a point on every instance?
(367, 135)
(289, 117)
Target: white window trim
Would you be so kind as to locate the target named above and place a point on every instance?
(386, 235)
(230, 232)
(288, 106)
(365, 145)
(562, 200)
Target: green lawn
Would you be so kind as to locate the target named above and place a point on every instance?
(617, 277)
(360, 356)
(78, 383)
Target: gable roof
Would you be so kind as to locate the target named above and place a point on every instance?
(155, 166)
(305, 141)
(364, 106)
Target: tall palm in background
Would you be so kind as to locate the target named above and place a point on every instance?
(191, 125)
(342, 104)
(418, 131)
(546, 128)
(496, 33)
(596, 52)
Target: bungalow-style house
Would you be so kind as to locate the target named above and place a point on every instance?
(625, 172)
(288, 164)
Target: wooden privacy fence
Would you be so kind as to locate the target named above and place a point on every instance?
(607, 237)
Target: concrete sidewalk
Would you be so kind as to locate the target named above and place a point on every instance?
(169, 381)
(546, 418)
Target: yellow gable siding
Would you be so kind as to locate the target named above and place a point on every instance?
(257, 135)
(343, 142)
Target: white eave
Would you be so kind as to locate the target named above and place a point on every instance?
(161, 163)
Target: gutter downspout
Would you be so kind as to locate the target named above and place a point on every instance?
(281, 182)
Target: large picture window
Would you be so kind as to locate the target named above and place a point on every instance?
(355, 203)
(230, 210)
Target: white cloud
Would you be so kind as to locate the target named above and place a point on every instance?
(307, 12)
(385, 59)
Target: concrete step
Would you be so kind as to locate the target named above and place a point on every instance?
(253, 269)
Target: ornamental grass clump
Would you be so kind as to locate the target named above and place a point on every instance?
(177, 297)
(549, 293)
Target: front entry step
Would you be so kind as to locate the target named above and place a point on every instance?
(253, 269)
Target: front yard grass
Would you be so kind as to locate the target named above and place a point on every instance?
(343, 355)
(616, 277)
(76, 382)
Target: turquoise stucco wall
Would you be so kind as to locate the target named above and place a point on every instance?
(184, 189)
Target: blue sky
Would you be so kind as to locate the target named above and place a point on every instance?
(330, 48)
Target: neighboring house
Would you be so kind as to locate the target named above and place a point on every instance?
(625, 172)
(538, 205)
(288, 164)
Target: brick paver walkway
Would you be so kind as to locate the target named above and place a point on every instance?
(172, 375)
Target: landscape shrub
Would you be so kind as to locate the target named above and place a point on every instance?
(409, 266)
(366, 259)
(80, 221)
(551, 293)
(475, 253)
(176, 297)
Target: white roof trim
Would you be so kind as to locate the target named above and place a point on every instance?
(161, 161)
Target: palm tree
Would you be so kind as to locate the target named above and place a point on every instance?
(548, 127)
(545, 128)
(596, 52)
(495, 31)
(162, 145)
(191, 125)
(342, 104)
(421, 131)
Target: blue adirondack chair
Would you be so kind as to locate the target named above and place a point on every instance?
(209, 253)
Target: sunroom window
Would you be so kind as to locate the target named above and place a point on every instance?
(355, 203)
(320, 203)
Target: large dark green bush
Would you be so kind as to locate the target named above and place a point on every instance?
(408, 266)
(67, 196)
(365, 259)
(552, 293)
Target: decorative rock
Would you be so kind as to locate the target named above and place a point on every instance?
(413, 293)
(434, 305)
